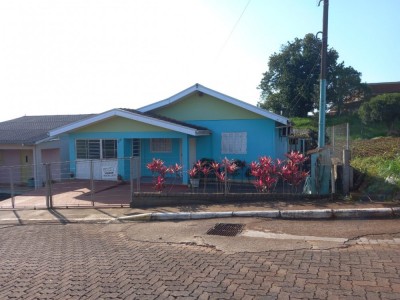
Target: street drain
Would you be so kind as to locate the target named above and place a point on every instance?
(226, 229)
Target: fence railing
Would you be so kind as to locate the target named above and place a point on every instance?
(339, 140)
(89, 183)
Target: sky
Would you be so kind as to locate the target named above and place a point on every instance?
(89, 56)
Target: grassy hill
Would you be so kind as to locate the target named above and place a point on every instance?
(378, 162)
(358, 130)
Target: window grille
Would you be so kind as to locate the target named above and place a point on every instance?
(136, 147)
(96, 149)
(160, 145)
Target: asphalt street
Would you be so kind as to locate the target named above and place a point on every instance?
(269, 259)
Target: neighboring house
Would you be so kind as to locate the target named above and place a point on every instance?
(384, 88)
(353, 104)
(193, 124)
(301, 140)
(25, 146)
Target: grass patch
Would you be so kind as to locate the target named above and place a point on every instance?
(305, 123)
(379, 161)
(382, 174)
(358, 130)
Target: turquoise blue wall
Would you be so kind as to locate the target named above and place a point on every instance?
(124, 148)
(169, 158)
(261, 137)
(281, 145)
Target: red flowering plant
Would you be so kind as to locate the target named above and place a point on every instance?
(159, 170)
(206, 171)
(266, 171)
(193, 172)
(202, 168)
(223, 170)
(292, 171)
(215, 167)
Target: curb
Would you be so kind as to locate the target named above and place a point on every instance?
(273, 214)
(314, 214)
(307, 214)
(363, 213)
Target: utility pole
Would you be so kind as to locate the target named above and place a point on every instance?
(320, 160)
(322, 85)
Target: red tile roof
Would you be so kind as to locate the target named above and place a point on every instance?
(384, 87)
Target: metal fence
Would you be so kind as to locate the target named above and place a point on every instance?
(339, 140)
(95, 183)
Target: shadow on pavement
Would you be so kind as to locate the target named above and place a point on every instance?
(60, 217)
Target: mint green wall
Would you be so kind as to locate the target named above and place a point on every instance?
(119, 124)
(205, 107)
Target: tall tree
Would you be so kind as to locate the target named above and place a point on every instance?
(291, 84)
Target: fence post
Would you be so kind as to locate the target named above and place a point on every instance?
(138, 173)
(131, 169)
(91, 182)
(225, 180)
(49, 197)
(12, 188)
(333, 141)
(346, 172)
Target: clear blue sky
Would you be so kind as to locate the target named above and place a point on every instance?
(78, 56)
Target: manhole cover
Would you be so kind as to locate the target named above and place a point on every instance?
(226, 229)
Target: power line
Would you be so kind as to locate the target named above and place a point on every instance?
(306, 83)
(233, 29)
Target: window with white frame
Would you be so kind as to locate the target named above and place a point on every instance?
(96, 149)
(234, 143)
(160, 145)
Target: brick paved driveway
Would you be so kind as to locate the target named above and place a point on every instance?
(100, 261)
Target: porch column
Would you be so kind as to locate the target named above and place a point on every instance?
(185, 159)
(120, 157)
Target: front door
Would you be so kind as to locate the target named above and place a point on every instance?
(26, 159)
(192, 152)
(136, 154)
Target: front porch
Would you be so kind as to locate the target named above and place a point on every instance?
(127, 158)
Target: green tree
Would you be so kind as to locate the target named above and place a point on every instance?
(382, 108)
(291, 84)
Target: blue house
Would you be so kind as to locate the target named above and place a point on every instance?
(196, 123)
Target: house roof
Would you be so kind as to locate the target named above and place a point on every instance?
(199, 88)
(384, 87)
(29, 130)
(300, 133)
(131, 114)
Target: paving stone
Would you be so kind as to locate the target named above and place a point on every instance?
(85, 261)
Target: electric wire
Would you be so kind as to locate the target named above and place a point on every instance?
(305, 85)
(233, 29)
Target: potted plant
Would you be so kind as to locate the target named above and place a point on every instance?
(194, 174)
(160, 171)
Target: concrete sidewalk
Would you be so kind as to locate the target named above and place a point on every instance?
(276, 210)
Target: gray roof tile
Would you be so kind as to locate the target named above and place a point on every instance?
(29, 129)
